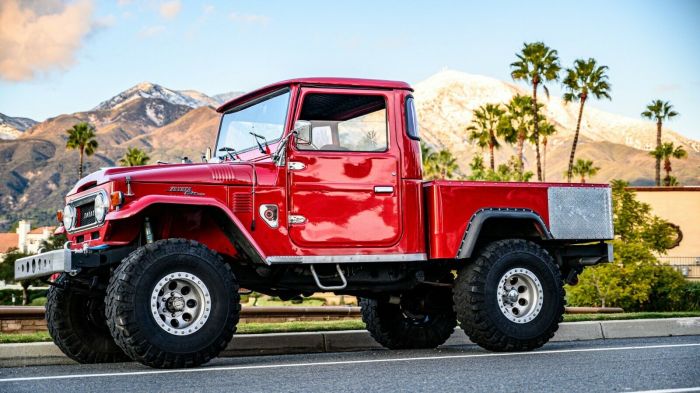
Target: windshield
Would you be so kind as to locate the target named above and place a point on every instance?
(265, 118)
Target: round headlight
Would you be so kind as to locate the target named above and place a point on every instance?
(68, 217)
(101, 207)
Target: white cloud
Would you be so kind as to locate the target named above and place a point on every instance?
(250, 18)
(151, 31)
(170, 9)
(208, 9)
(40, 37)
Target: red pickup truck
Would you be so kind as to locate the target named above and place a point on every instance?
(315, 185)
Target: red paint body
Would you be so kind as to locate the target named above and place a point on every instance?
(335, 193)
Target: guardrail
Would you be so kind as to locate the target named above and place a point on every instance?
(270, 314)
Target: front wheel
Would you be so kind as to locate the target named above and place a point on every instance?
(76, 323)
(511, 298)
(172, 304)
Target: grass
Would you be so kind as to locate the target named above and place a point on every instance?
(629, 315)
(356, 324)
(14, 338)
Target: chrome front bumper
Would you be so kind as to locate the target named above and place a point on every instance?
(44, 264)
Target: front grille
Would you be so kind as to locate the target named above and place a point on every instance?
(86, 214)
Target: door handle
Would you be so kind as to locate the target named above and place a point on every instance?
(383, 189)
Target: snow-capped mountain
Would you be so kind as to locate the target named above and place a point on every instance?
(191, 98)
(446, 100)
(445, 103)
(13, 127)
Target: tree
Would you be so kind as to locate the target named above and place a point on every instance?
(7, 273)
(536, 64)
(438, 165)
(586, 79)
(665, 152)
(547, 129)
(516, 126)
(660, 111)
(584, 168)
(446, 164)
(636, 280)
(82, 137)
(134, 157)
(504, 172)
(484, 127)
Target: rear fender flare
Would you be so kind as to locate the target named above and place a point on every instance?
(476, 223)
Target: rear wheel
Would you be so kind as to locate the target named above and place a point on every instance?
(421, 319)
(77, 325)
(173, 303)
(511, 298)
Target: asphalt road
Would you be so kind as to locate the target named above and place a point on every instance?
(611, 365)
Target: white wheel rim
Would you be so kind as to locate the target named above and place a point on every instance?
(519, 295)
(180, 303)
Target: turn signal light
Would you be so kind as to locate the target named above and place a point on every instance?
(59, 216)
(116, 198)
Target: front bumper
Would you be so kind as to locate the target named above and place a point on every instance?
(57, 261)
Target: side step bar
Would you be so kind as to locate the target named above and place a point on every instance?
(330, 287)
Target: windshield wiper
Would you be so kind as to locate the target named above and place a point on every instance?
(231, 153)
(265, 150)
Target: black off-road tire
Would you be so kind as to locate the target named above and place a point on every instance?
(476, 304)
(391, 327)
(77, 325)
(129, 314)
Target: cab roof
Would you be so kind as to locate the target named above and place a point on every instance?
(346, 82)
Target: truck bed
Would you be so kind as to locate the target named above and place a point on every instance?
(568, 211)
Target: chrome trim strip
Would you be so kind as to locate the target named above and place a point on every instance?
(286, 259)
(82, 201)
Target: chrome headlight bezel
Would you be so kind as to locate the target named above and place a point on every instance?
(69, 216)
(101, 207)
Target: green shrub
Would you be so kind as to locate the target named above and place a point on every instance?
(6, 296)
(40, 301)
(691, 296)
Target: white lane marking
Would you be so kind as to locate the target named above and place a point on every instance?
(346, 362)
(679, 390)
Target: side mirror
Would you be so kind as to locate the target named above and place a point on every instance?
(302, 129)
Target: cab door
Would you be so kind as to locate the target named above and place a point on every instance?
(344, 187)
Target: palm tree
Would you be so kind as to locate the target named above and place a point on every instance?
(536, 64)
(516, 127)
(485, 126)
(665, 152)
(587, 78)
(134, 157)
(660, 111)
(547, 129)
(429, 159)
(446, 164)
(82, 137)
(584, 168)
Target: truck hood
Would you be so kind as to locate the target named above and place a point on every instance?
(219, 173)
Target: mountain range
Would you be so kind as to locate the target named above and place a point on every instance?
(36, 170)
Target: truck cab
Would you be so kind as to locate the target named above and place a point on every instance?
(314, 185)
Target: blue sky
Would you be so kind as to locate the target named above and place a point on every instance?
(651, 47)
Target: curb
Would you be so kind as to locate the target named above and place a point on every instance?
(35, 354)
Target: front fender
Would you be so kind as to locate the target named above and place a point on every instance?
(136, 207)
